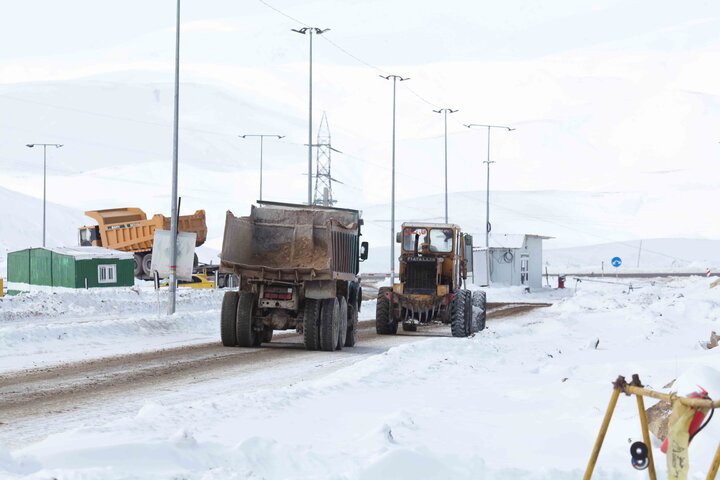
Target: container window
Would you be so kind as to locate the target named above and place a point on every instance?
(107, 274)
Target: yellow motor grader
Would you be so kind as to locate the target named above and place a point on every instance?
(433, 269)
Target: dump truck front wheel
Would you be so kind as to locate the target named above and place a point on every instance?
(351, 337)
(246, 334)
(228, 313)
(384, 324)
(343, 323)
(329, 324)
(138, 271)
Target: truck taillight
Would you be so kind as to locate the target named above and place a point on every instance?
(278, 294)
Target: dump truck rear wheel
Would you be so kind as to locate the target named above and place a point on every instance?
(458, 318)
(267, 334)
(479, 304)
(228, 314)
(351, 337)
(147, 264)
(384, 325)
(246, 335)
(343, 323)
(138, 270)
(329, 324)
(311, 317)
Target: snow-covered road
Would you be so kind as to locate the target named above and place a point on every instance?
(522, 399)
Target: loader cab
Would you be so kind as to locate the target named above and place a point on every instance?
(89, 236)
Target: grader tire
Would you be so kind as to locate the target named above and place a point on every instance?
(246, 335)
(458, 316)
(343, 327)
(329, 324)
(384, 324)
(311, 328)
(409, 327)
(479, 309)
(228, 313)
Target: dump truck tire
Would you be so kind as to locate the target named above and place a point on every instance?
(138, 270)
(351, 337)
(228, 314)
(311, 317)
(267, 334)
(479, 309)
(246, 335)
(409, 327)
(196, 261)
(458, 318)
(384, 325)
(343, 326)
(329, 324)
(147, 264)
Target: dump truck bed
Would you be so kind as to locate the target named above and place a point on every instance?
(128, 229)
(292, 243)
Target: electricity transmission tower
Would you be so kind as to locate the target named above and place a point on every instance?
(323, 173)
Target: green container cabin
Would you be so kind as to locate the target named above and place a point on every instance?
(70, 267)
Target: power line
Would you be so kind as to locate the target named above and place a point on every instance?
(283, 13)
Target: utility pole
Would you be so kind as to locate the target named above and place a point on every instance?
(262, 137)
(487, 189)
(445, 111)
(44, 145)
(310, 31)
(172, 283)
(394, 79)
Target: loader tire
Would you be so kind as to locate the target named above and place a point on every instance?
(246, 334)
(329, 324)
(384, 324)
(343, 323)
(228, 314)
(267, 334)
(351, 337)
(479, 309)
(458, 317)
(311, 328)
(147, 264)
(138, 270)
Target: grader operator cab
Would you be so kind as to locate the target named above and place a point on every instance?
(433, 267)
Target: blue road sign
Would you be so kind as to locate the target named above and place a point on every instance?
(616, 262)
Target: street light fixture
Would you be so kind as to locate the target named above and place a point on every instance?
(394, 78)
(445, 111)
(310, 31)
(262, 137)
(44, 145)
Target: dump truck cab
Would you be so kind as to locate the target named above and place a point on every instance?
(433, 269)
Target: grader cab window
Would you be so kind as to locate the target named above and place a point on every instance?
(409, 235)
(441, 240)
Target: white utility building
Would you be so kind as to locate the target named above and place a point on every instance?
(511, 260)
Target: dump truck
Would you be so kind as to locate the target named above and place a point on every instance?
(129, 230)
(298, 269)
(433, 268)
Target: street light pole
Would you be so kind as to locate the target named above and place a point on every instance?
(172, 282)
(487, 189)
(394, 78)
(44, 145)
(262, 137)
(445, 111)
(310, 31)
